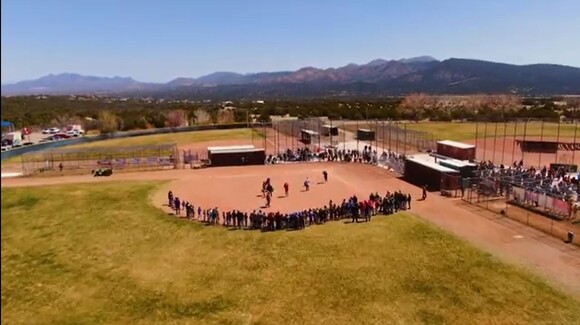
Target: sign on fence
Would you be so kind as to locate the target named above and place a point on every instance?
(543, 201)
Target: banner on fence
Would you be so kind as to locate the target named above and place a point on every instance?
(531, 197)
(519, 194)
(543, 201)
(561, 207)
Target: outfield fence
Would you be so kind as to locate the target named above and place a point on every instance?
(82, 160)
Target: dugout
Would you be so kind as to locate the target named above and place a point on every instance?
(329, 130)
(235, 156)
(422, 170)
(569, 168)
(465, 169)
(456, 150)
(538, 146)
(307, 135)
(365, 135)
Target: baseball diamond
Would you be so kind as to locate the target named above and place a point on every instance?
(319, 200)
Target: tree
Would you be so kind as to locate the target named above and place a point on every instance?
(413, 106)
(202, 116)
(176, 118)
(225, 116)
(108, 122)
(264, 117)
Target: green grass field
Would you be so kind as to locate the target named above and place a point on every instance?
(181, 138)
(466, 131)
(178, 138)
(103, 254)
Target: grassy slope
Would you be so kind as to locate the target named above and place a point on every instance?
(104, 255)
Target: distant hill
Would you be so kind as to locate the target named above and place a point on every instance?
(373, 79)
(72, 83)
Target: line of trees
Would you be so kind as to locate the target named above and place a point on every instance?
(110, 114)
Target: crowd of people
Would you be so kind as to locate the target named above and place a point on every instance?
(367, 155)
(351, 208)
(498, 179)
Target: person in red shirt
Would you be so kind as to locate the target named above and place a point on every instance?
(286, 188)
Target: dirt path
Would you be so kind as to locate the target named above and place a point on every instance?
(229, 187)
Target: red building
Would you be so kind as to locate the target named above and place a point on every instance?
(456, 150)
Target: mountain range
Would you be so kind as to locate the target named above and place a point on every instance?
(374, 79)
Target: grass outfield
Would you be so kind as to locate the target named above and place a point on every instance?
(181, 138)
(103, 254)
(466, 131)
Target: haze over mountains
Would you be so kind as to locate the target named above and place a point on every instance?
(374, 79)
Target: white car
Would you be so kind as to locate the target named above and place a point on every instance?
(74, 133)
(51, 131)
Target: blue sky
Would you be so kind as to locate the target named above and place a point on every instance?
(160, 40)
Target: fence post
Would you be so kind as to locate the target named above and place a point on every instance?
(528, 218)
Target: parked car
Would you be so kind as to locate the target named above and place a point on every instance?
(60, 136)
(51, 131)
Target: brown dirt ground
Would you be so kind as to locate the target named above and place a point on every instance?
(238, 187)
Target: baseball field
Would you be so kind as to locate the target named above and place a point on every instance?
(84, 250)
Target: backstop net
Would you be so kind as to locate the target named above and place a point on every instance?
(149, 157)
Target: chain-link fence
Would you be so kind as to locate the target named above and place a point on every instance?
(504, 194)
(81, 160)
(536, 143)
(382, 136)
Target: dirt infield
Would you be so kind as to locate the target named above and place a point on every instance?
(238, 187)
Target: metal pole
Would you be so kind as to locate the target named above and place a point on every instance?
(523, 143)
(343, 136)
(397, 142)
(503, 146)
(376, 135)
(557, 141)
(264, 135)
(541, 140)
(318, 129)
(390, 135)
(515, 136)
(278, 135)
(494, 143)
(484, 139)
(357, 135)
(574, 146)
(330, 132)
(294, 136)
(476, 132)
(383, 134)
(405, 141)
